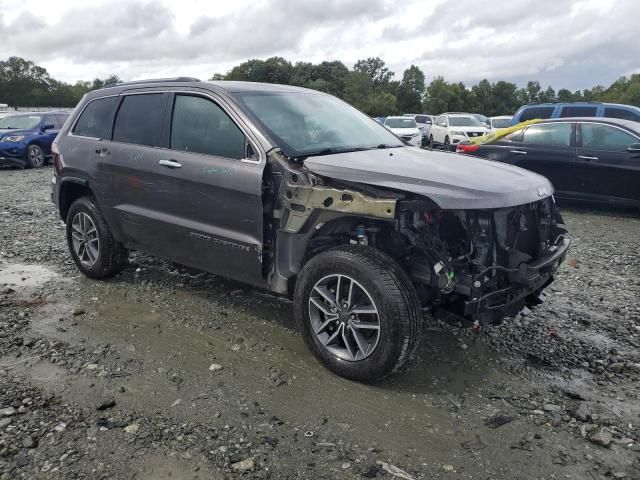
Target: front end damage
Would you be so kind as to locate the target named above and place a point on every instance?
(480, 265)
(483, 265)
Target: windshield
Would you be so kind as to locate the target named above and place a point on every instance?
(406, 122)
(501, 122)
(306, 123)
(20, 121)
(464, 122)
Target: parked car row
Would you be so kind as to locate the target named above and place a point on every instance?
(25, 138)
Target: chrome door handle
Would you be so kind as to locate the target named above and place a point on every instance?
(170, 163)
(585, 157)
(518, 152)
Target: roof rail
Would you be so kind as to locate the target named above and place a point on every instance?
(555, 102)
(156, 80)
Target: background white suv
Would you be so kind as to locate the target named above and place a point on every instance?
(406, 128)
(450, 129)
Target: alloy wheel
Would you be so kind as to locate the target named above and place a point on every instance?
(344, 318)
(84, 236)
(36, 156)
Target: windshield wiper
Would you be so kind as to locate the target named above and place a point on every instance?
(332, 151)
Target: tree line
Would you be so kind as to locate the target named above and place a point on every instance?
(369, 85)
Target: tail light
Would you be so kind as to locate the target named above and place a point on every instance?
(55, 154)
(467, 148)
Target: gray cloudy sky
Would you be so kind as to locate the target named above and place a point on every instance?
(573, 44)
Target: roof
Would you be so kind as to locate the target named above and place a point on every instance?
(586, 103)
(232, 86)
(631, 125)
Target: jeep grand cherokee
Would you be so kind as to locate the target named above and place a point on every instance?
(295, 191)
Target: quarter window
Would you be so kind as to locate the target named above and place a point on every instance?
(536, 112)
(573, 111)
(96, 119)
(621, 113)
(139, 119)
(604, 137)
(201, 126)
(557, 135)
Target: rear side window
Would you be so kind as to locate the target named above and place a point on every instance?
(604, 137)
(621, 113)
(96, 119)
(421, 119)
(573, 111)
(531, 113)
(201, 126)
(139, 119)
(555, 134)
(52, 120)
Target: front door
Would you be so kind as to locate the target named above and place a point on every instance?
(615, 170)
(216, 176)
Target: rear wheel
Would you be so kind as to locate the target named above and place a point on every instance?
(35, 156)
(93, 249)
(358, 312)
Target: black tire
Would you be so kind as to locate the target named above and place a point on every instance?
(111, 257)
(446, 145)
(34, 157)
(400, 315)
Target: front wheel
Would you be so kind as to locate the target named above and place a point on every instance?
(358, 312)
(35, 156)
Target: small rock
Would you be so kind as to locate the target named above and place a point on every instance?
(215, 367)
(582, 413)
(106, 404)
(345, 466)
(92, 366)
(550, 407)
(133, 428)
(601, 436)
(246, 465)
(77, 311)
(8, 412)
(176, 403)
(61, 427)
(448, 468)
(235, 347)
(23, 460)
(616, 367)
(29, 442)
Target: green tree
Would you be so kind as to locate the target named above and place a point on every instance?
(411, 90)
(375, 69)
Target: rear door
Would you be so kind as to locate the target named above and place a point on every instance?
(613, 168)
(548, 149)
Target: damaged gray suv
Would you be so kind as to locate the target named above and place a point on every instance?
(294, 191)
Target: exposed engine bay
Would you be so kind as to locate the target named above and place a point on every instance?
(479, 264)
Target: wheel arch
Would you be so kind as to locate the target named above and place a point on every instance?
(72, 188)
(325, 230)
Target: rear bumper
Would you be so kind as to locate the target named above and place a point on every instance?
(527, 285)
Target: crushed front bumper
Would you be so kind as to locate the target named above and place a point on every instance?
(528, 282)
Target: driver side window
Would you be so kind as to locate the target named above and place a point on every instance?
(200, 126)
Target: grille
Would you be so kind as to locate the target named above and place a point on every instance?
(474, 134)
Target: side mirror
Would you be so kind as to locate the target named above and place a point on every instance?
(48, 126)
(634, 148)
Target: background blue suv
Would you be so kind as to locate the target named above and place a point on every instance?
(25, 138)
(576, 109)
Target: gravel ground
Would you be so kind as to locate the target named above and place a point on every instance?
(164, 372)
